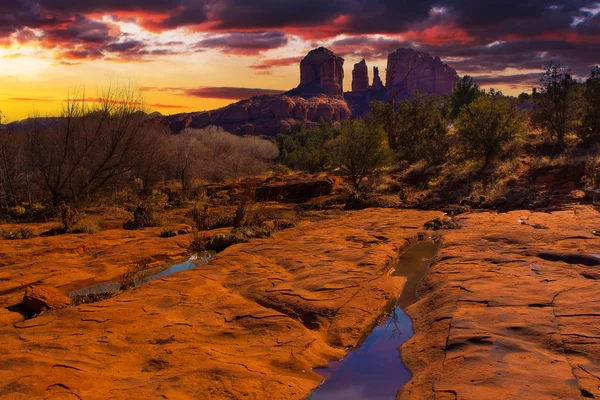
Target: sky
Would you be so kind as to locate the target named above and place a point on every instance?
(194, 55)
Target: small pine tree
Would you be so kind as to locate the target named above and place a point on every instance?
(464, 93)
(556, 103)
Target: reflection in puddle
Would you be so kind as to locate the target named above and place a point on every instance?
(145, 276)
(375, 370)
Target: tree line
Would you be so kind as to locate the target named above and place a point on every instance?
(97, 148)
(469, 123)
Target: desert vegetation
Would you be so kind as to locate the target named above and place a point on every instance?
(107, 148)
(470, 147)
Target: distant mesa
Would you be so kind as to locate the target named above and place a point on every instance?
(320, 94)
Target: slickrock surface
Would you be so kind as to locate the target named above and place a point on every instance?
(510, 311)
(41, 298)
(249, 324)
(70, 262)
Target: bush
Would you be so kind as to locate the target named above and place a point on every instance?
(215, 155)
(487, 124)
(203, 219)
(556, 105)
(144, 216)
(69, 216)
(362, 150)
(464, 93)
(86, 226)
(168, 233)
(590, 126)
(245, 215)
(441, 223)
(591, 178)
(19, 233)
(307, 149)
(236, 236)
(423, 129)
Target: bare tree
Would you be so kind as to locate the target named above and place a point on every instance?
(215, 155)
(11, 163)
(95, 144)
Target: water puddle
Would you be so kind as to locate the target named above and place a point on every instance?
(375, 370)
(144, 277)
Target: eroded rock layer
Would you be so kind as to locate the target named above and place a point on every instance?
(265, 115)
(510, 311)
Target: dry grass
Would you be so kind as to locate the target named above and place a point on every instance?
(20, 233)
(128, 278)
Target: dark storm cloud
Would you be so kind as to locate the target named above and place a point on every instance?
(531, 79)
(526, 33)
(245, 42)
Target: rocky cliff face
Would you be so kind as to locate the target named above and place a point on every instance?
(360, 77)
(321, 71)
(430, 74)
(319, 95)
(265, 115)
(377, 83)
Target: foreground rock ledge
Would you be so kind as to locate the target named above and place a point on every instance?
(499, 319)
(250, 324)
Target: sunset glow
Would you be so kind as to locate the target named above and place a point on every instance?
(196, 55)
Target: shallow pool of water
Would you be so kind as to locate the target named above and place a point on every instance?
(375, 370)
(145, 276)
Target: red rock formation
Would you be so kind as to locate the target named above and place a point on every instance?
(360, 77)
(265, 115)
(40, 298)
(377, 83)
(430, 75)
(321, 71)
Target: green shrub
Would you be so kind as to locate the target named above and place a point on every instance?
(423, 129)
(362, 150)
(307, 149)
(487, 124)
(464, 93)
(590, 125)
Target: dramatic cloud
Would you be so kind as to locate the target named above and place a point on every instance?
(245, 43)
(224, 93)
(475, 36)
(276, 62)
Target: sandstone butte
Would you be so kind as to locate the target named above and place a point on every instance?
(320, 94)
(507, 311)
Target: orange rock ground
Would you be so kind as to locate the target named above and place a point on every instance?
(498, 321)
(250, 324)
